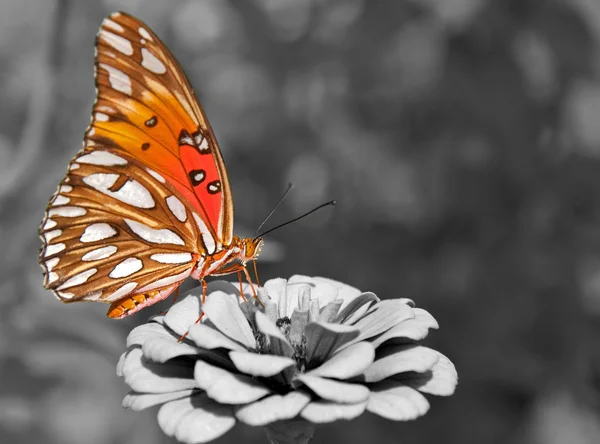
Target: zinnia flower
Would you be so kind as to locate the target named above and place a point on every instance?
(314, 351)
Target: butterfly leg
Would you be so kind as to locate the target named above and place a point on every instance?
(252, 287)
(203, 282)
(241, 286)
(256, 273)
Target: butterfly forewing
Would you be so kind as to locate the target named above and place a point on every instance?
(145, 106)
(148, 195)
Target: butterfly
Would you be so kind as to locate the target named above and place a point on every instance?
(146, 203)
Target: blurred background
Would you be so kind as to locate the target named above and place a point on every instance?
(461, 139)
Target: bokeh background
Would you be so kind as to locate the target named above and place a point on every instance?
(461, 139)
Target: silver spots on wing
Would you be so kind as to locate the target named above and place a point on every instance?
(67, 211)
(214, 187)
(171, 258)
(177, 208)
(197, 176)
(78, 279)
(96, 232)
(126, 268)
(118, 80)
(99, 253)
(152, 63)
(132, 192)
(152, 235)
(102, 158)
(119, 43)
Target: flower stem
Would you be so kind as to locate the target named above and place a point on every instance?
(293, 431)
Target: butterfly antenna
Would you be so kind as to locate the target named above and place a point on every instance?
(289, 188)
(331, 202)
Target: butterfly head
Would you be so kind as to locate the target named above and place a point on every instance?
(249, 248)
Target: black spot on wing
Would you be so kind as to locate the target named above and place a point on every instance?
(214, 187)
(152, 121)
(197, 176)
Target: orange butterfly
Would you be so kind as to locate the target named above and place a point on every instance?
(146, 202)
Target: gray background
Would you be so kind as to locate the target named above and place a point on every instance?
(461, 139)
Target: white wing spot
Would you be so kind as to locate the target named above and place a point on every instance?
(151, 63)
(143, 41)
(65, 188)
(49, 224)
(145, 34)
(65, 294)
(161, 236)
(105, 109)
(172, 258)
(177, 208)
(52, 276)
(116, 41)
(91, 132)
(113, 25)
(93, 296)
(99, 253)
(78, 279)
(209, 242)
(96, 232)
(166, 281)
(67, 211)
(126, 268)
(204, 145)
(51, 263)
(51, 235)
(101, 117)
(102, 158)
(132, 193)
(74, 166)
(60, 200)
(156, 175)
(117, 79)
(123, 291)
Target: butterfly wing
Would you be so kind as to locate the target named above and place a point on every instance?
(146, 107)
(148, 194)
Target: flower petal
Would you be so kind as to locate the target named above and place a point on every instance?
(278, 343)
(323, 339)
(330, 311)
(143, 376)
(276, 290)
(210, 338)
(347, 363)
(356, 308)
(381, 317)
(273, 408)
(226, 315)
(226, 387)
(400, 359)
(120, 363)
(260, 365)
(139, 401)
(336, 391)
(345, 291)
(195, 419)
(160, 350)
(324, 411)
(441, 380)
(185, 312)
(414, 329)
(142, 333)
(397, 402)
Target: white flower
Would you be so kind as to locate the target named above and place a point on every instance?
(318, 351)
